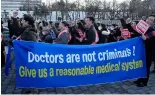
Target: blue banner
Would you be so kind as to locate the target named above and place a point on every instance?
(8, 61)
(40, 65)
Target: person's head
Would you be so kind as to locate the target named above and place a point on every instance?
(27, 21)
(56, 25)
(151, 20)
(51, 24)
(45, 30)
(59, 19)
(144, 18)
(103, 27)
(90, 21)
(63, 25)
(46, 23)
(81, 33)
(133, 23)
(80, 25)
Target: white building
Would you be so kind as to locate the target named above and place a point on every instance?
(9, 6)
(16, 4)
(73, 15)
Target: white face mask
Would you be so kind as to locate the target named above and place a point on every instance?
(43, 33)
(112, 28)
(100, 27)
(106, 32)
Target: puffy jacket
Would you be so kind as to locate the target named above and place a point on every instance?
(63, 38)
(29, 34)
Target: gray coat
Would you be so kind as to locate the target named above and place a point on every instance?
(29, 35)
(62, 39)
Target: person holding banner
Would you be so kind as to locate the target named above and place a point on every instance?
(64, 36)
(91, 33)
(80, 32)
(29, 34)
(151, 35)
(149, 40)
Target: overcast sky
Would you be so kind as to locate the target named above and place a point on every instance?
(80, 0)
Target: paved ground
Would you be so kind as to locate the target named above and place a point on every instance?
(8, 87)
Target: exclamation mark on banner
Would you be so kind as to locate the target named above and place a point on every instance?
(133, 50)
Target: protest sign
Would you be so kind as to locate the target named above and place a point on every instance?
(142, 27)
(40, 65)
(15, 14)
(125, 33)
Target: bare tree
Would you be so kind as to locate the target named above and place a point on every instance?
(92, 7)
(41, 10)
(102, 9)
(124, 8)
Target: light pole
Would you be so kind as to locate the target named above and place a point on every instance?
(28, 5)
(5, 15)
(56, 11)
(27, 2)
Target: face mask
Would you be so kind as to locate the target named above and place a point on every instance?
(106, 32)
(43, 33)
(100, 27)
(112, 28)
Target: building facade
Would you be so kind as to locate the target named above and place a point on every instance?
(16, 4)
(9, 6)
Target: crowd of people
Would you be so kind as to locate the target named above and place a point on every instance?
(82, 32)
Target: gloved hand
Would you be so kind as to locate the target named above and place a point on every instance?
(144, 37)
(13, 37)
